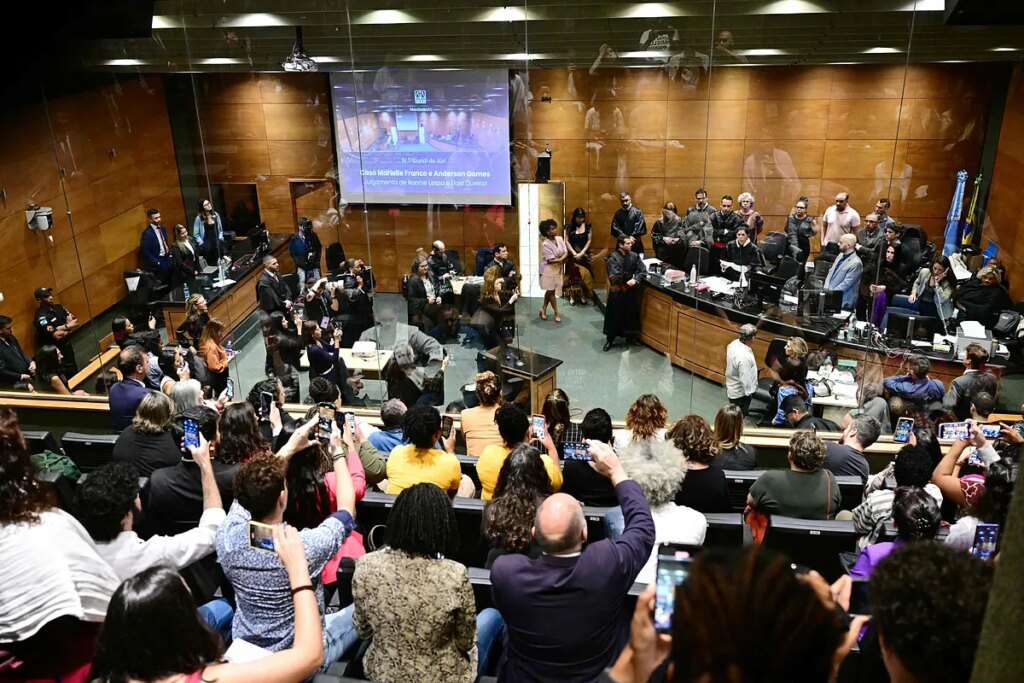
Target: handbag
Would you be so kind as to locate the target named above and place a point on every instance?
(757, 520)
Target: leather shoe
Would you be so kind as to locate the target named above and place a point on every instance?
(607, 345)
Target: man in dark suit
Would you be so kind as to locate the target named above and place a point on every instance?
(155, 248)
(565, 612)
(16, 367)
(794, 409)
(272, 293)
(125, 396)
(507, 265)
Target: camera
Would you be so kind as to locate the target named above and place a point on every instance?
(39, 217)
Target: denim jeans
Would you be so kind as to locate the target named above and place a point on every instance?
(614, 523)
(340, 635)
(489, 627)
(218, 614)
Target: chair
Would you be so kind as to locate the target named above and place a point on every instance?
(739, 483)
(851, 490)
(911, 231)
(143, 292)
(456, 259)
(60, 486)
(788, 267)
(39, 441)
(773, 247)
(813, 543)
(484, 255)
(292, 280)
(910, 251)
(335, 257)
(725, 530)
(89, 451)
(699, 257)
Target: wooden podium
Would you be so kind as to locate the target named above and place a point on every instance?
(540, 371)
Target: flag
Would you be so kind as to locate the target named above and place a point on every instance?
(969, 232)
(952, 235)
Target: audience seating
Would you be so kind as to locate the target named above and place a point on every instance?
(851, 488)
(62, 488)
(39, 441)
(813, 543)
(89, 451)
(889, 532)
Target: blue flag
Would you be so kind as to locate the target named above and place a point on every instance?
(952, 234)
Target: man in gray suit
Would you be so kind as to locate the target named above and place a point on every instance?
(844, 275)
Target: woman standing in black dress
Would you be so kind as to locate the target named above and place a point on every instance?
(578, 276)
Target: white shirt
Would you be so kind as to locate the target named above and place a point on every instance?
(128, 554)
(672, 524)
(50, 569)
(838, 223)
(740, 370)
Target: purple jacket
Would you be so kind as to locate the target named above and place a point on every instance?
(566, 618)
(869, 559)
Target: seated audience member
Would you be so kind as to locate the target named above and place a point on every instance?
(871, 402)
(54, 586)
(125, 396)
(264, 612)
(187, 394)
(313, 490)
(477, 424)
(805, 490)
(961, 389)
(263, 422)
(911, 468)
(147, 443)
(917, 518)
(916, 386)
(416, 607)
(411, 382)
(515, 428)
(579, 479)
(737, 601)
(565, 612)
(792, 380)
(742, 252)
(374, 464)
(16, 367)
(420, 461)
(392, 412)
(50, 378)
(173, 368)
(847, 456)
(523, 484)
(798, 416)
(982, 297)
(240, 437)
(173, 500)
(152, 632)
(732, 453)
(659, 468)
(647, 419)
(928, 606)
(104, 381)
(982, 405)
(450, 330)
(704, 488)
(991, 507)
(964, 490)
(556, 412)
(124, 331)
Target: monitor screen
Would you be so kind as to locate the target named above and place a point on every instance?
(418, 136)
(819, 302)
(916, 327)
(766, 288)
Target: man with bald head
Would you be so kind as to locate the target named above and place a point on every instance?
(844, 275)
(565, 612)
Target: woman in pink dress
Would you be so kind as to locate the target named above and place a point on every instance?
(553, 255)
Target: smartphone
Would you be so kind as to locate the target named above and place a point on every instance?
(954, 430)
(903, 427)
(673, 568)
(324, 322)
(350, 420)
(859, 603)
(191, 434)
(446, 426)
(325, 422)
(538, 427)
(985, 538)
(261, 536)
(266, 400)
(991, 431)
(576, 450)
(231, 388)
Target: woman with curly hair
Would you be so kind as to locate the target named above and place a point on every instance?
(477, 423)
(659, 468)
(805, 490)
(240, 438)
(646, 420)
(523, 484)
(704, 488)
(54, 587)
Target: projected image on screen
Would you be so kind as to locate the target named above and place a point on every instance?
(411, 136)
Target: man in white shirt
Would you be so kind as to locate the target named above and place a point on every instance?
(841, 219)
(741, 369)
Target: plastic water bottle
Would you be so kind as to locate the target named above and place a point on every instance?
(826, 367)
(184, 288)
(743, 279)
(693, 275)
(227, 347)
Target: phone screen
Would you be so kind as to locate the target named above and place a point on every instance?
(325, 422)
(538, 427)
(191, 434)
(266, 399)
(903, 427)
(990, 431)
(324, 322)
(985, 538)
(231, 388)
(673, 568)
(446, 426)
(576, 450)
(261, 536)
(954, 430)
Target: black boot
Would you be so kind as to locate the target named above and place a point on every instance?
(608, 344)
(597, 300)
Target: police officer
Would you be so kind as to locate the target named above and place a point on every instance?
(53, 324)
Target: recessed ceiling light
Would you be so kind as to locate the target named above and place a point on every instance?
(213, 61)
(764, 52)
(254, 20)
(166, 21)
(881, 51)
(1004, 49)
(519, 56)
(386, 16)
(503, 14)
(124, 62)
(329, 60)
(641, 10)
(646, 54)
(791, 7)
(425, 58)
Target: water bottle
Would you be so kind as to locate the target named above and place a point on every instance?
(227, 347)
(743, 279)
(693, 275)
(826, 368)
(184, 288)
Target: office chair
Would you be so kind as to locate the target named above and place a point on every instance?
(484, 255)
(456, 259)
(697, 256)
(773, 247)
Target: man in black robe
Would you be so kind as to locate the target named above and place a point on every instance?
(625, 271)
(629, 221)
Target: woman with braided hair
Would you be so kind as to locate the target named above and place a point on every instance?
(917, 518)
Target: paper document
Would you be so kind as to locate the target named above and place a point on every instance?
(241, 652)
(972, 328)
(737, 268)
(787, 299)
(841, 315)
(922, 344)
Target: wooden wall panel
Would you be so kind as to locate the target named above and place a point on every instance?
(1003, 222)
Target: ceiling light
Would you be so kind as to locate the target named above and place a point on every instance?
(298, 60)
(386, 16)
(503, 14)
(646, 54)
(520, 56)
(764, 52)
(643, 10)
(213, 61)
(166, 21)
(1004, 49)
(791, 7)
(254, 20)
(124, 62)
(881, 51)
(328, 60)
(425, 58)
(924, 6)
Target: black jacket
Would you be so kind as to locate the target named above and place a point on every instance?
(272, 292)
(724, 226)
(13, 361)
(173, 499)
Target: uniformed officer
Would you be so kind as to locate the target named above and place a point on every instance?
(53, 324)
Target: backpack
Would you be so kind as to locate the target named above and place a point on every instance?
(1006, 326)
(48, 461)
